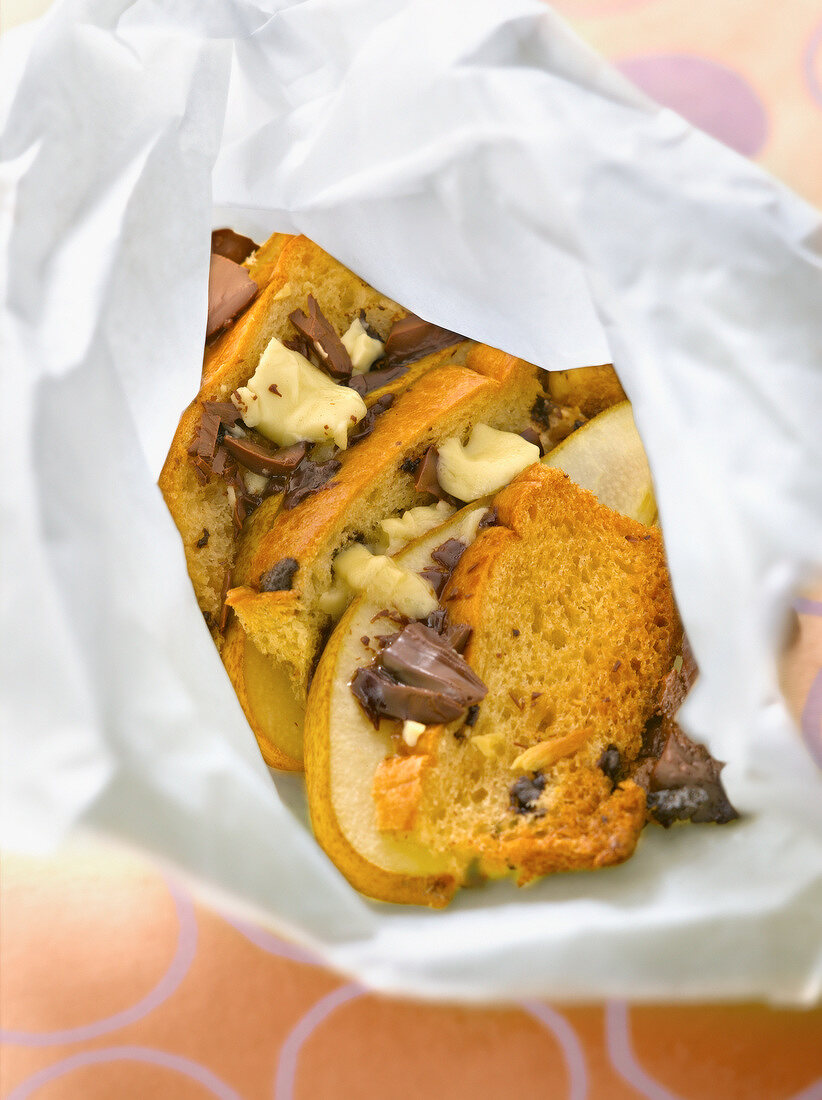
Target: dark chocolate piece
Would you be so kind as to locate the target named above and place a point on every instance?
(368, 422)
(215, 415)
(324, 338)
(684, 764)
(417, 676)
(230, 289)
(301, 344)
(265, 460)
(422, 658)
(381, 696)
(448, 553)
(436, 620)
(456, 635)
(525, 793)
(374, 379)
(490, 519)
(436, 577)
(610, 763)
(234, 246)
(411, 339)
(409, 465)
(472, 715)
(203, 539)
(309, 478)
(280, 578)
(541, 411)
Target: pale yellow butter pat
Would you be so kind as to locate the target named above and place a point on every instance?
(488, 461)
(288, 400)
(385, 582)
(363, 349)
(412, 732)
(400, 530)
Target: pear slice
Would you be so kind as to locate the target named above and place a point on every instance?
(343, 752)
(606, 456)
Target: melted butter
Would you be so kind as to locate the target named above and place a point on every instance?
(363, 349)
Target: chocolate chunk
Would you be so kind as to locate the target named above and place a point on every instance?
(448, 553)
(436, 577)
(280, 577)
(436, 620)
(203, 539)
(679, 804)
(472, 715)
(490, 519)
(375, 379)
(456, 635)
(265, 460)
(426, 479)
(230, 289)
(215, 415)
(325, 339)
(410, 465)
(422, 658)
(411, 339)
(610, 763)
(234, 246)
(309, 478)
(677, 684)
(301, 344)
(417, 676)
(525, 793)
(683, 764)
(366, 425)
(381, 696)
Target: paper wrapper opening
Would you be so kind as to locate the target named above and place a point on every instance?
(475, 162)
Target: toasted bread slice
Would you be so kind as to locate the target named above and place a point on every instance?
(292, 268)
(289, 627)
(573, 627)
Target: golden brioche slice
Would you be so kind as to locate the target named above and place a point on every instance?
(292, 268)
(573, 627)
(590, 390)
(288, 628)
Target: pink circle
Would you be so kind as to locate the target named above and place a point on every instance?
(707, 94)
(177, 969)
(194, 1071)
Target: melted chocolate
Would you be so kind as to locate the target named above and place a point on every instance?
(280, 578)
(367, 424)
(307, 479)
(375, 379)
(411, 339)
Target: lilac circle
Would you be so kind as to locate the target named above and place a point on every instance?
(707, 94)
(177, 969)
(185, 1066)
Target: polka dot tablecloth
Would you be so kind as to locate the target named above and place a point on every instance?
(115, 984)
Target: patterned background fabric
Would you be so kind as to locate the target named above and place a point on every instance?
(116, 984)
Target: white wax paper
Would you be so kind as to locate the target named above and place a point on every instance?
(476, 162)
